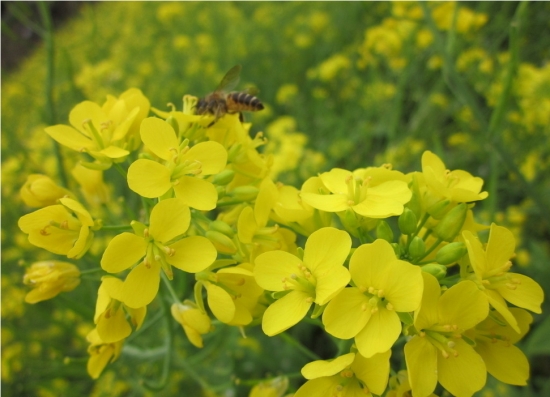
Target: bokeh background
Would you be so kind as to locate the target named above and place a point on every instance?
(345, 85)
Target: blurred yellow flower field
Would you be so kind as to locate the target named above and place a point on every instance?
(367, 211)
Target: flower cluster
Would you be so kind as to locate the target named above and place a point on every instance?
(375, 257)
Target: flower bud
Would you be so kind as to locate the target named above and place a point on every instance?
(41, 191)
(244, 193)
(407, 221)
(417, 248)
(349, 221)
(173, 123)
(49, 278)
(222, 227)
(435, 269)
(384, 232)
(437, 210)
(415, 204)
(451, 253)
(448, 228)
(223, 178)
(222, 243)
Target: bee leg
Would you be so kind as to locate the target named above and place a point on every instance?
(241, 117)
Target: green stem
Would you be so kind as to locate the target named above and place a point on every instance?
(293, 342)
(430, 250)
(117, 228)
(51, 117)
(169, 288)
(91, 271)
(120, 170)
(161, 383)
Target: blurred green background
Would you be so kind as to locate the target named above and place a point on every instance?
(345, 85)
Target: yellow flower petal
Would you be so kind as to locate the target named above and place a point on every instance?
(141, 285)
(211, 155)
(114, 152)
(70, 137)
(373, 372)
(464, 374)
(368, 262)
(221, 303)
(267, 197)
(326, 249)
(336, 180)
(344, 316)
(113, 327)
(159, 137)
(169, 218)
(328, 203)
(122, 252)
(87, 110)
(500, 247)
(505, 362)
(326, 386)
(272, 267)
(196, 193)
(193, 254)
(320, 368)
(421, 359)
(246, 225)
(525, 293)
(330, 284)
(428, 313)
(463, 305)
(148, 178)
(380, 333)
(286, 312)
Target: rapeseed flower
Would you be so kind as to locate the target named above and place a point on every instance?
(98, 131)
(169, 219)
(456, 186)
(438, 351)
(232, 293)
(347, 375)
(383, 286)
(492, 277)
(41, 191)
(56, 229)
(315, 279)
(183, 169)
(101, 353)
(194, 321)
(372, 192)
(50, 278)
(114, 320)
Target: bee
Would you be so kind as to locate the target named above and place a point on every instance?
(220, 102)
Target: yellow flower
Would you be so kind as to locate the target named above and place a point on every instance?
(232, 293)
(49, 278)
(493, 279)
(195, 323)
(117, 108)
(41, 191)
(457, 186)
(183, 169)
(372, 192)
(114, 320)
(317, 278)
(438, 351)
(97, 132)
(384, 286)
(348, 375)
(495, 344)
(275, 387)
(55, 229)
(169, 219)
(101, 353)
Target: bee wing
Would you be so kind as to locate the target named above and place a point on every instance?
(231, 79)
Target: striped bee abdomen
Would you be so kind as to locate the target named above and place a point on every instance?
(242, 101)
